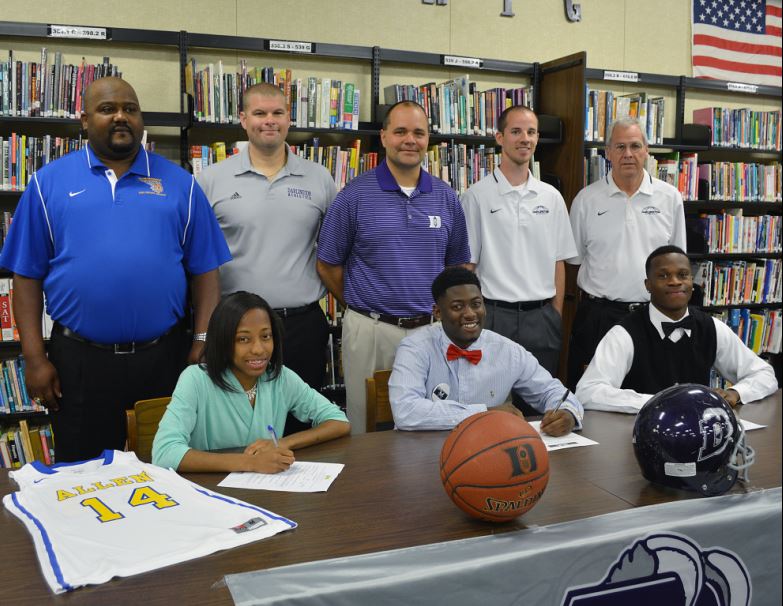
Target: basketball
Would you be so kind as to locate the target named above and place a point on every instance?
(494, 466)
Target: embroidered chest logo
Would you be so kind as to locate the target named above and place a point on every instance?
(155, 185)
(650, 210)
(295, 192)
(540, 210)
(434, 221)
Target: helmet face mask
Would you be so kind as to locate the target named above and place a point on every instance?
(688, 437)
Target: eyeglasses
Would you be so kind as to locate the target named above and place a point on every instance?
(635, 147)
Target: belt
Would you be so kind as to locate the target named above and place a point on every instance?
(117, 348)
(409, 322)
(519, 305)
(287, 312)
(617, 304)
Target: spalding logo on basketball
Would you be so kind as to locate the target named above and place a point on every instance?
(494, 466)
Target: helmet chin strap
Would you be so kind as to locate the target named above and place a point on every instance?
(742, 456)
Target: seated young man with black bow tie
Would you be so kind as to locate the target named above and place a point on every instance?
(667, 342)
(449, 371)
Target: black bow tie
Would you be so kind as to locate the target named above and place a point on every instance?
(669, 327)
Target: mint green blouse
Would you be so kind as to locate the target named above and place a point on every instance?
(203, 416)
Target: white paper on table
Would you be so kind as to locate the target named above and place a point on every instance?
(750, 425)
(570, 440)
(300, 477)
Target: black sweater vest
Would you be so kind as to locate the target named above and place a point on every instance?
(659, 363)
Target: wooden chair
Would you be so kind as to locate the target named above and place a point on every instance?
(379, 414)
(142, 421)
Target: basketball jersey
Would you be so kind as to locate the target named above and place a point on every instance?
(117, 516)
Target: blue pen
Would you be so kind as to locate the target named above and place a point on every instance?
(274, 434)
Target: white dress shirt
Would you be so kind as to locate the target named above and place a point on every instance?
(615, 233)
(429, 392)
(599, 388)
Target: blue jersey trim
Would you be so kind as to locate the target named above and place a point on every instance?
(106, 455)
(268, 514)
(58, 573)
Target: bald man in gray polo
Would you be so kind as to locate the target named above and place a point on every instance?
(270, 203)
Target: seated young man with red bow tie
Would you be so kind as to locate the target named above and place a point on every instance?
(667, 342)
(446, 372)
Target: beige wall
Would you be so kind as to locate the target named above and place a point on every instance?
(634, 35)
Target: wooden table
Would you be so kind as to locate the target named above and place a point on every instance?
(388, 496)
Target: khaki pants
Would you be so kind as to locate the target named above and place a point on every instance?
(367, 345)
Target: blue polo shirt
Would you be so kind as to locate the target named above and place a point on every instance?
(392, 246)
(113, 254)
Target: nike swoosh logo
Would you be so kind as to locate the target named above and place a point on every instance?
(602, 212)
(495, 210)
(76, 193)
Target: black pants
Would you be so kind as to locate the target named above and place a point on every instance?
(304, 352)
(592, 321)
(99, 385)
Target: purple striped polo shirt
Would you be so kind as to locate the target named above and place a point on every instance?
(392, 246)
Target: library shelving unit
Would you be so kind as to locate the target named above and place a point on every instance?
(559, 91)
(11, 33)
(562, 92)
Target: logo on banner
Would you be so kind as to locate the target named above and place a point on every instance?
(670, 569)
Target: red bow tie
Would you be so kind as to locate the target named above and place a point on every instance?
(453, 352)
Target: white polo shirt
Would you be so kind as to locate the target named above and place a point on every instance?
(516, 236)
(615, 234)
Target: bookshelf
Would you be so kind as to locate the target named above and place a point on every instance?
(559, 90)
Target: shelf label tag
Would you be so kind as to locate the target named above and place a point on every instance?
(742, 88)
(462, 61)
(77, 31)
(621, 76)
(291, 47)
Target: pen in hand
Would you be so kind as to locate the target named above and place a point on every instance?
(273, 433)
(563, 399)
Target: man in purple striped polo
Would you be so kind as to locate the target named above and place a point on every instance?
(383, 240)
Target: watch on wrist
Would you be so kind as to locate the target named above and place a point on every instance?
(199, 336)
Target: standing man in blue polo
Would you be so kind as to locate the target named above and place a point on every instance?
(520, 237)
(270, 203)
(383, 241)
(110, 234)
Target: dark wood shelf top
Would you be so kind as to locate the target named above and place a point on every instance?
(735, 256)
(16, 416)
(741, 306)
(702, 205)
(174, 119)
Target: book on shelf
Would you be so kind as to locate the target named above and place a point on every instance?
(758, 329)
(24, 442)
(733, 232)
(48, 88)
(312, 102)
(343, 163)
(22, 155)
(741, 181)
(743, 127)
(602, 108)
(741, 282)
(461, 165)
(457, 107)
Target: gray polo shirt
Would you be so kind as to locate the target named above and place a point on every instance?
(271, 226)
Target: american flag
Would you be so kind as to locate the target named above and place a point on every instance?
(737, 40)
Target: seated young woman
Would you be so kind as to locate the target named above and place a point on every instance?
(237, 393)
